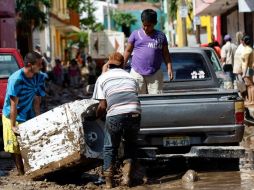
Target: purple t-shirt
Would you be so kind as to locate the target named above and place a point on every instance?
(147, 53)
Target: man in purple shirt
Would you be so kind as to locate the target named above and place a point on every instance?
(150, 49)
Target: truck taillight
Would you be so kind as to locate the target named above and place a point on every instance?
(239, 112)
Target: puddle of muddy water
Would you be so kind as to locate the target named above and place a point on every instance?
(208, 181)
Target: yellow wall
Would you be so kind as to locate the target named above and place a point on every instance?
(205, 22)
(59, 7)
(179, 32)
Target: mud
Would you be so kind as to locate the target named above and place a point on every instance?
(157, 179)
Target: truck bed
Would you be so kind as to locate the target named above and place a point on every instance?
(191, 118)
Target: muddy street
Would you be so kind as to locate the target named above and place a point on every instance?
(157, 178)
(210, 173)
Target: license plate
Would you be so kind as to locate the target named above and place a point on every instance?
(176, 141)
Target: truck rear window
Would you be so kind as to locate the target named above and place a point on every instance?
(214, 60)
(8, 65)
(187, 66)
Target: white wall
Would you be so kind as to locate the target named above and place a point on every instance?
(100, 12)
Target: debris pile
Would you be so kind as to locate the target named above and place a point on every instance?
(61, 138)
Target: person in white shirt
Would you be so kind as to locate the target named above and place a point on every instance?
(227, 56)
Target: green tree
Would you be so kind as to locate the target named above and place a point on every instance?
(80, 38)
(173, 8)
(122, 18)
(30, 17)
(86, 6)
(124, 21)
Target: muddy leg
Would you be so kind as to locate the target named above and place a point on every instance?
(108, 174)
(19, 163)
(127, 171)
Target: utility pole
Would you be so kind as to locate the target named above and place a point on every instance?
(198, 34)
(196, 23)
(170, 24)
(183, 18)
(108, 16)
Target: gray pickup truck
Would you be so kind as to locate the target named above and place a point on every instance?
(195, 115)
(194, 111)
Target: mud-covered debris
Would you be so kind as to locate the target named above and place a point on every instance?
(91, 186)
(59, 139)
(190, 176)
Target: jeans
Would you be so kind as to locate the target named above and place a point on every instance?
(117, 127)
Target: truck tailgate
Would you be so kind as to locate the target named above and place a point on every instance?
(188, 109)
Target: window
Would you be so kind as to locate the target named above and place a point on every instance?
(187, 66)
(214, 60)
(8, 65)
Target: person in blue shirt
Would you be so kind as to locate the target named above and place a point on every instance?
(22, 102)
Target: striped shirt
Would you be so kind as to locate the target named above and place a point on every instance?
(25, 89)
(120, 90)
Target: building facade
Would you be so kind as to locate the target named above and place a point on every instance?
(61, 22)
(234, 16)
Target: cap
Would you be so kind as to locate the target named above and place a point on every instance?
(116, 58)
(227, 37)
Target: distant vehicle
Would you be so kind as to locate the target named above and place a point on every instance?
(10, 61)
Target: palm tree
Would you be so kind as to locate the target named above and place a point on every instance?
(29, 17)
(124, 20)
(86, 6)
(173, 7)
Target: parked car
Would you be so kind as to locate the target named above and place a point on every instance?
(10, 61)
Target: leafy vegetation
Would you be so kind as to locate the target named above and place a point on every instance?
(173, 7)
(125, 19)
(85, 6)
(29, 17)
(80, 38)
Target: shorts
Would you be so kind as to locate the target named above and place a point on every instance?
(151, 84)
(11, 144)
